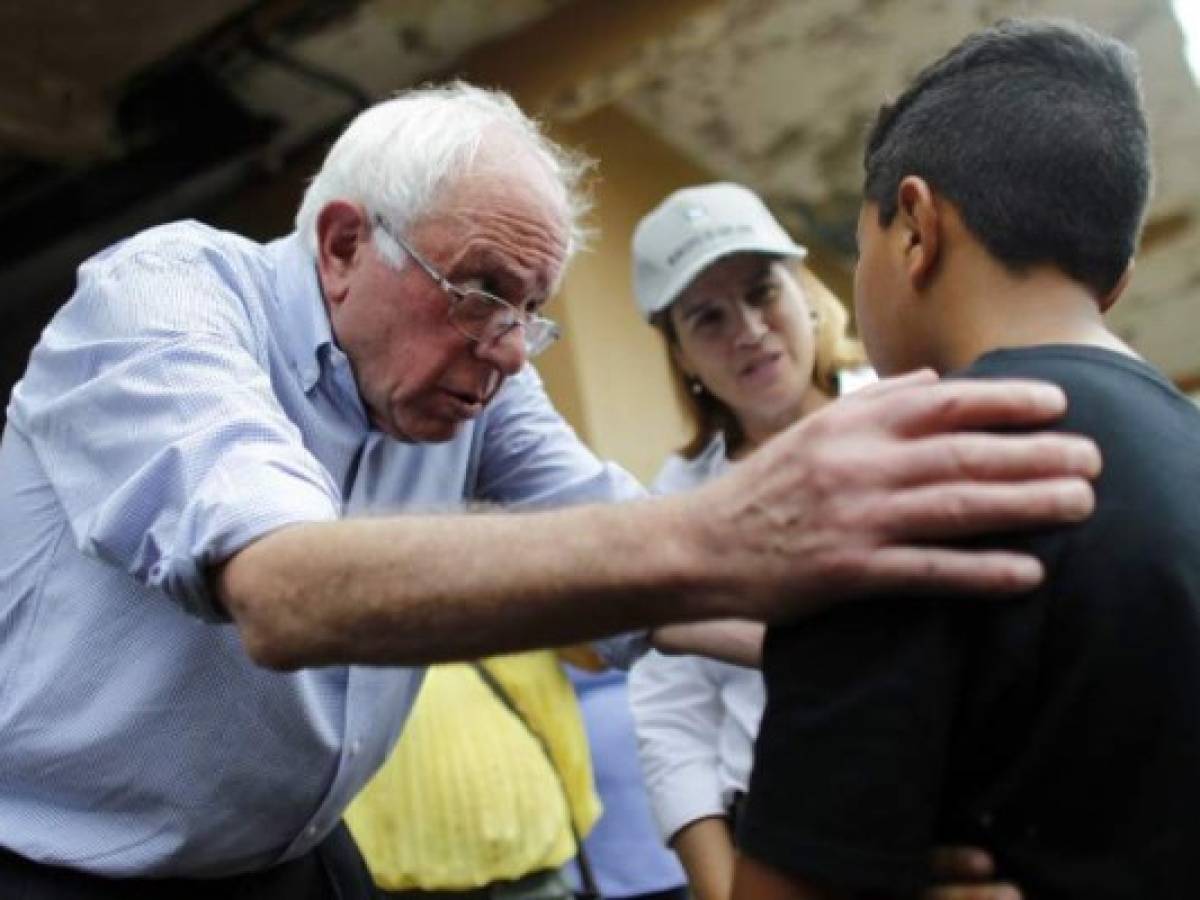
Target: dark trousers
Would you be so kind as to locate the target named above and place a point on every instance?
(333, 870)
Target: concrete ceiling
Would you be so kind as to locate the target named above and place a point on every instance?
(774, 93)
(782, 99)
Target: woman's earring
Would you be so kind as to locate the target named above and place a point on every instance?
(696, 387)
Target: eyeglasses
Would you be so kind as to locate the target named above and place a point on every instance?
(479, 315)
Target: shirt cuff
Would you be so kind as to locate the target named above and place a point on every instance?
(213, 531)
(687, 794)
(622, 650)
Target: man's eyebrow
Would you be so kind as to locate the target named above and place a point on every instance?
(484, 262)
(475, 260)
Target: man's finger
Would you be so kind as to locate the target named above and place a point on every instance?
(974, 404)
(963, 509)
(973, 892)
(990, 457)
(908, 570)
(897, 382)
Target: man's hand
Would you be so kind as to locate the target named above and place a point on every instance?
(850, 501)
(961, 873)
(855, 499)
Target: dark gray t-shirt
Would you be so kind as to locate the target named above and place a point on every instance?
(1061, 730)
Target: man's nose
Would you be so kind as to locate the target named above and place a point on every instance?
(505, 351)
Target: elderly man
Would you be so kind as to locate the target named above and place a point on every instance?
(197, 629)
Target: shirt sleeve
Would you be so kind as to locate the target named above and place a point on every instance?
(531, 458)
(851, 753)
(677, 708)
(150, 411)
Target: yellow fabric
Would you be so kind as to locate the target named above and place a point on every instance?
(467, 796)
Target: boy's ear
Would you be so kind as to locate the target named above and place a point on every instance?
(921, 229)
(1119, 288)
(342, 231)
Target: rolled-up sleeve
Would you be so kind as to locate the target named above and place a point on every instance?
(678, 710)
(151, 412)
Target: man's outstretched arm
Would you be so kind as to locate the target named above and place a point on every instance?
(851, 501)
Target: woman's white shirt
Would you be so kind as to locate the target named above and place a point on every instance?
(696, 717)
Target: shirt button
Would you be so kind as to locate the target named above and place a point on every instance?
(355, 747)
(311, 831)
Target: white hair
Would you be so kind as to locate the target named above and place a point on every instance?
(396, 156)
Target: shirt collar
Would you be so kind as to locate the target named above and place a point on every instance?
(302, 309)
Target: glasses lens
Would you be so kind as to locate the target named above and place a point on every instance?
(539, 334)
(479, 314)
(483, 317)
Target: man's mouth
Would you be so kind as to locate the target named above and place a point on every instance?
(466, 404)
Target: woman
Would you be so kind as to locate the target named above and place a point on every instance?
(755, 343)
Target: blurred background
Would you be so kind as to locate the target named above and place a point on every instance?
(118, 115)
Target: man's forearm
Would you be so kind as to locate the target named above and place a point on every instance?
(854, 500)
(420, 589)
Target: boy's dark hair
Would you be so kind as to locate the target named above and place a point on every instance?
(1034, 130)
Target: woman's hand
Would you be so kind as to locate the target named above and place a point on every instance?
(734, 641)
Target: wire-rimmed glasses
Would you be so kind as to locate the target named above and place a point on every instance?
(477, 314)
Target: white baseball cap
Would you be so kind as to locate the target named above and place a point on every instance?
(691, 229)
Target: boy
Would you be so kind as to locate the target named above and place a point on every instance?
(1003, 199)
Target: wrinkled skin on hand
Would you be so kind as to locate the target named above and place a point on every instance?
(854, 499)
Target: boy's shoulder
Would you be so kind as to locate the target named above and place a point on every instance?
(1069, 362)
(1105, 389)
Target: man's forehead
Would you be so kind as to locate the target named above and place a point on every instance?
(506, 198)
(525, 255)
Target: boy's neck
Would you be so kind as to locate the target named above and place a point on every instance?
(996, 310)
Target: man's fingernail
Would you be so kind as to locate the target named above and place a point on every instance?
(1048, 397)
(1079, 502)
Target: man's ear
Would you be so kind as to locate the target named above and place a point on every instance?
(920, 227)
(343, 232)
(1119, 288)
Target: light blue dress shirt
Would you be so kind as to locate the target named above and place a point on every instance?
(187, 400)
